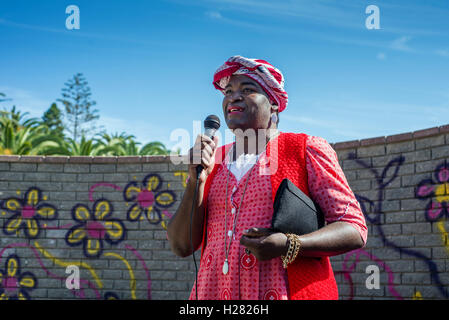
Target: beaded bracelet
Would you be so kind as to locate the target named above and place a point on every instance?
(294, 244)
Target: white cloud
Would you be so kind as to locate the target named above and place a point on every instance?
(401, 44)
(25, 101)
(346, 118)
(214, 14)
(81, 34)
(318, 10)
(443, 53)
(143, 130)
(381, 56)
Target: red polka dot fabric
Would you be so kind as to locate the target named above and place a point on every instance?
(329, 188)
(248, 278)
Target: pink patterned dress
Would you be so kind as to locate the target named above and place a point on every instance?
(249, 279)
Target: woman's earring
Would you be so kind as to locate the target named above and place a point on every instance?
(274, 118)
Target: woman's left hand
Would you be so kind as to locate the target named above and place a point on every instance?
(264, 244)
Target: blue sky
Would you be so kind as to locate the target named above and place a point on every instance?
(150, 63)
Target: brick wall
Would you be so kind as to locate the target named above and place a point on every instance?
(132, 259)
(106, 216)
(400, 182)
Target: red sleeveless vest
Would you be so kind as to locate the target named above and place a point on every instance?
(308, 278)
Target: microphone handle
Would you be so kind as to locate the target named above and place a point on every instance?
(199, 169)
(210, 133)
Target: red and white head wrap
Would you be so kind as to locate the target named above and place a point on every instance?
(267, 76)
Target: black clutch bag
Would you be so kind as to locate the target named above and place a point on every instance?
(294, 212)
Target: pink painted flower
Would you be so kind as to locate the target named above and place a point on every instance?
(27, 213)
(14, 284)
(437, 193)
(147, 199)
(95, 226)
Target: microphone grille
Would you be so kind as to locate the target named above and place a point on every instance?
(212, 122)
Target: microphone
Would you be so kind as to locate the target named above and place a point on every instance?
(211, 125)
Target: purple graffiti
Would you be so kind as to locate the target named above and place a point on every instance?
(102, 184)
(436, 192)
(145, 268)
(348, 269)
(382, 181)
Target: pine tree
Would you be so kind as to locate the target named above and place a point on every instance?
(76, 98)
(52, 118)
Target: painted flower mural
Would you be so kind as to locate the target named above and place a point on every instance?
(147, 199)
(27, 213)
(95, 226)
(14, 284)
(436, 192)
(111, 296)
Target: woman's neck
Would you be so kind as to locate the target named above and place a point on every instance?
(252, 142)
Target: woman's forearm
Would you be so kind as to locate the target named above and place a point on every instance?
(333, 239)
(178, 229)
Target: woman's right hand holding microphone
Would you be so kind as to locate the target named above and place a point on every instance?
(202, 153)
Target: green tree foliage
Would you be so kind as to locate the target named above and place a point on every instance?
(79, 115)
(86, 147)
(3, 97)
(22, 135)
(123, 144)
(52, 118)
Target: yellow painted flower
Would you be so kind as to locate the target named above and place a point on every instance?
(148, 199)
(14, 285)
(111, 296)
(93, 227)
(27, 213)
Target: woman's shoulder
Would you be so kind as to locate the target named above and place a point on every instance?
(317, 140)
(221, 152)
(315, 144)
(310, 139)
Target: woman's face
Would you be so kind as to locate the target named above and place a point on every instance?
(246, 105)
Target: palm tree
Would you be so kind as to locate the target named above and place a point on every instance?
(154, 148)
(85, 147)
(18, 118)
(25, 140)
(113, 145)
(21, 136)
(125, 145)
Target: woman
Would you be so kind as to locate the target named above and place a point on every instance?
(241, 258)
